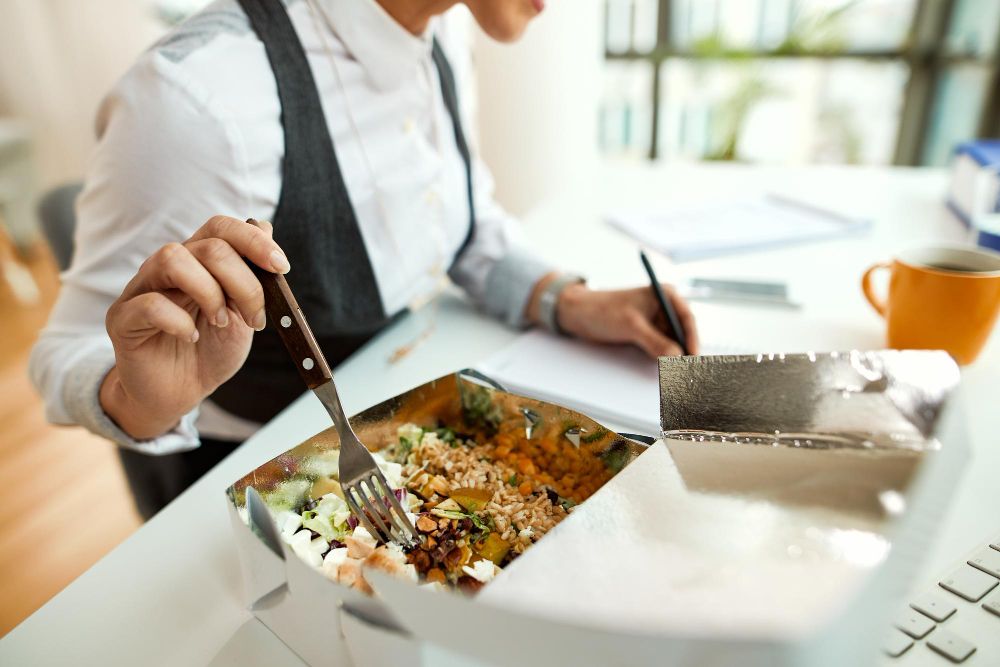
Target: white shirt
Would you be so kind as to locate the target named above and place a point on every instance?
(193, 130)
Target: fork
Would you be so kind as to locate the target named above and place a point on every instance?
(376, 508)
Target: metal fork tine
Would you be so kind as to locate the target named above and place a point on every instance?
(376, 516)
(377, 481)
(360, 513)
(402, 523)
(396, 521)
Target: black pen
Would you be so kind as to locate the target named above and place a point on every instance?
(668, 310)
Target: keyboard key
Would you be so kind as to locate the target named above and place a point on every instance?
(988, 561)
(996, 544)
(969, 583)
(933, 605)
(896, 644)
(993, 605)
(950, 645)
(914, 624)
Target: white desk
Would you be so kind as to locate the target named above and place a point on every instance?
(171, 593)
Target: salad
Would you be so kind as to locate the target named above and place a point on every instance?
(477, 503)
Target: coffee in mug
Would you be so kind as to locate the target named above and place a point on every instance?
(940, 297)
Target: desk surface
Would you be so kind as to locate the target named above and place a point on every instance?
(171, 593)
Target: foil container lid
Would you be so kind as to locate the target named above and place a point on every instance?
(882, 399)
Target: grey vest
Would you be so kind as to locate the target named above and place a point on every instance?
(315, 224)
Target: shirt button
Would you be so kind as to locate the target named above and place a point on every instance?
(408, 125)
(432, 197)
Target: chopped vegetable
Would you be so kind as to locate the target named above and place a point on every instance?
(449, 505)
(483, 526)
(403, 450)
(472, 500)
(447, 436)
(478, 408)
(616, 457)
(322, 525)
(411, 432)
(493, 548)
(335, 508)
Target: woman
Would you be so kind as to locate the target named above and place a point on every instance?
(339, 121)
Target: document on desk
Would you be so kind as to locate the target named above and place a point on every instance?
(614, 383)
(725, 227)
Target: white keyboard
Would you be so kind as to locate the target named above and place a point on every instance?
(955, 622)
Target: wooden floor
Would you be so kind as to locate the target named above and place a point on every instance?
(63, 499)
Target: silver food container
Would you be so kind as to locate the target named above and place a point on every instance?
(771, 472)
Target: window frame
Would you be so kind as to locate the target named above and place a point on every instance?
(923, 52)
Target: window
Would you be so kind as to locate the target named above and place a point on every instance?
(794, 81)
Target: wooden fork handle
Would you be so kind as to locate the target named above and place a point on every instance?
(284, 314)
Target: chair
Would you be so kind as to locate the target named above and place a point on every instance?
(57, 215)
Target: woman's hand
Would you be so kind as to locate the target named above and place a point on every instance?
(184, 324)
(625, 316)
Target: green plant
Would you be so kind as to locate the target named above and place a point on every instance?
(733, 111)
(810, 33)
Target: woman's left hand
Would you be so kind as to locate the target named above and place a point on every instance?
(625, 316)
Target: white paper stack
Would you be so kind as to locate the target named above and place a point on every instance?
(719, 228)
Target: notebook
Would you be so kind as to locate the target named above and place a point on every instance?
(617, 384)
(724, 227)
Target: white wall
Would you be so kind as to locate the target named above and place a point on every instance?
(538, 102)
(57, 59)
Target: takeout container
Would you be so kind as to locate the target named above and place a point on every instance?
(880, 457)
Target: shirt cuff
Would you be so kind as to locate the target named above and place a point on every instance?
(510, 283)
(81, 398)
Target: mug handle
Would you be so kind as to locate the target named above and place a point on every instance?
(869, 290)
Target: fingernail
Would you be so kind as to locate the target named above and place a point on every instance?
(222, 318)
(259, 320)
(195, 336)
(279, 262)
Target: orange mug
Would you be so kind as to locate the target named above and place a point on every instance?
(940, 298)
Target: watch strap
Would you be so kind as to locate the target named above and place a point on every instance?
(549, 299)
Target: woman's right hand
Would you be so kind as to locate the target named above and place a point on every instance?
(183, 325)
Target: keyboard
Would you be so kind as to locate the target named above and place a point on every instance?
(956, 622)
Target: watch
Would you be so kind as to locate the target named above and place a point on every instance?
(549, 299)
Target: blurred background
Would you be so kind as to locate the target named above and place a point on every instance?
(867, 82)
(799, 81)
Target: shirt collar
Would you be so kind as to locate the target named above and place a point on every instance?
(388, 52)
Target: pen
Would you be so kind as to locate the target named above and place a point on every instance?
(668, 310)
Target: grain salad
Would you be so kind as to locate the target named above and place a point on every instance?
(477, 501)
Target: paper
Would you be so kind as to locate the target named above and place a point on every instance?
(732, 226)
(618, 384)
